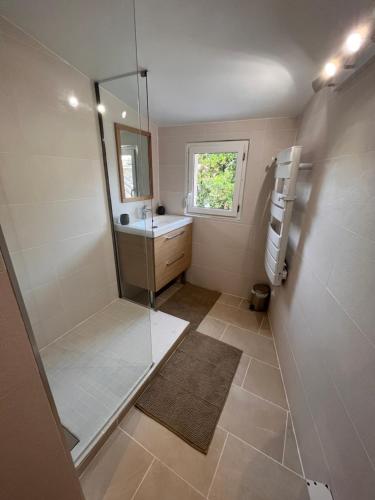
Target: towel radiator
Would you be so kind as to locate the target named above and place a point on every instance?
(282, 200)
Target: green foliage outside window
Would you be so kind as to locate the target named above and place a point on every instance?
(215, 180)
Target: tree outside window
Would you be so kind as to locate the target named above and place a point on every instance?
(216, 174)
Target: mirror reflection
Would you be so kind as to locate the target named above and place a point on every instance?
(134, 163)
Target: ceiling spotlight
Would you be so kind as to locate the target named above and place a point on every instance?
(73, 101)
(100, 108)
(123, 114)
(353, 43)
(330, 69)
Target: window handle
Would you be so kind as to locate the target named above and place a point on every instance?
(187, 197)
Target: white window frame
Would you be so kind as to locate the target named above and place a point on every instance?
(239, 147)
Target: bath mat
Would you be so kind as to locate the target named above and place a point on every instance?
(189, 392)
(190, 303)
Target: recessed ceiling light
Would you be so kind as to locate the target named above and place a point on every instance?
(123, 114)
(330, 69)
(73, 101)
(100, 108)
(354, 42)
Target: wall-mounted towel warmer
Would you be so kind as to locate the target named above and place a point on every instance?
(282, 200)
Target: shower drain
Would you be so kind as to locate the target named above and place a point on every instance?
(318, 491)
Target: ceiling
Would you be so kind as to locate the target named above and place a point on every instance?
(207, 59)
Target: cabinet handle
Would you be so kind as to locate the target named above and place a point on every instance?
(169, 263)
(174, 236)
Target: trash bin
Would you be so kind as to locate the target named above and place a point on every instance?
(259, 297)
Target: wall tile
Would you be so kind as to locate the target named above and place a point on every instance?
(312, 454)
(172, 178)
(19, 182)
(223, 256)
(221, 233)
(173, 201)
(53, 208)
(354, 265)
(322, 318)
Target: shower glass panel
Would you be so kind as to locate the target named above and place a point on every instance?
(55, 211)
(129, 144)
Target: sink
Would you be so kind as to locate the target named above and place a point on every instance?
(154, 227)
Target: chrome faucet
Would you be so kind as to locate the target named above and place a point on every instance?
(145, 209)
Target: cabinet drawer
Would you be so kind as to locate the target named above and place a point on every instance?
(172, 255)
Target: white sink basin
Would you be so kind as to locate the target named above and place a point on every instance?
(152, 228)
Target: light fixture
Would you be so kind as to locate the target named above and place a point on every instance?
(357, 49)
(123, 114)
(354, 42)
(330, 69)
(73, 101)
(100, 108)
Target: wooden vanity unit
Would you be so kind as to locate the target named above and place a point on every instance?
(167, 256)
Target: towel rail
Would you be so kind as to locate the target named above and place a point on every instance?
(282, 200)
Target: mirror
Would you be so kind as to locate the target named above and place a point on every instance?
(134, 163)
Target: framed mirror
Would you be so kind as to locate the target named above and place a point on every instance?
(134, 163)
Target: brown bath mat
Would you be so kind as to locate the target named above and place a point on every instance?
(188, 394)
(190, 303)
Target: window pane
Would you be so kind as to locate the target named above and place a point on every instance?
(214, 179)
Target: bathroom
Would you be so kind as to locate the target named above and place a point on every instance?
(142, 164)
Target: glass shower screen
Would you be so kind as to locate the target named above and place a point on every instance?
(58, 204)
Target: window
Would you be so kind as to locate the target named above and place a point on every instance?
(216, 173)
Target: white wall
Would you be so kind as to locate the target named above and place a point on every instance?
(227, 255)
(323, 318)
(53, 207)
(114, 108)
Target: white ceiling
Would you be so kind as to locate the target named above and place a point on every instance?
(207, 59)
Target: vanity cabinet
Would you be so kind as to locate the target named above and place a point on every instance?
(167, 256)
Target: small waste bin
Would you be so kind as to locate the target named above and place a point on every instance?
(259, 297)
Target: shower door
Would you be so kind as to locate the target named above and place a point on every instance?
(56, 213)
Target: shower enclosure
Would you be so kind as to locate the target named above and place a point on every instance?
(57, 206)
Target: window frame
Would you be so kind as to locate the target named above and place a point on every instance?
(233, 146)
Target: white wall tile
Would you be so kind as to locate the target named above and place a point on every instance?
(352, 280)
(324, 312)
(53, 207)
(223, 254)
(173, 177)
(40, 265)
(173, 201)
(18, 180)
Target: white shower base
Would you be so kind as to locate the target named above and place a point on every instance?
(93, 369)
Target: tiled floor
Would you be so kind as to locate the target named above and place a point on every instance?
(253, 455)
(95, 367)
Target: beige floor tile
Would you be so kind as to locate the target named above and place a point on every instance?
(256, 421)
(164, 296)
(163, 484)
(246, 474)
(291, 456)
(159, 301)
(265, 328)
(244, 304)
(241, 370)
(265, 381)
(239, 317)
(193, 466)
(230, 300)
(212, 327)
(252, 344)
(117, 470)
